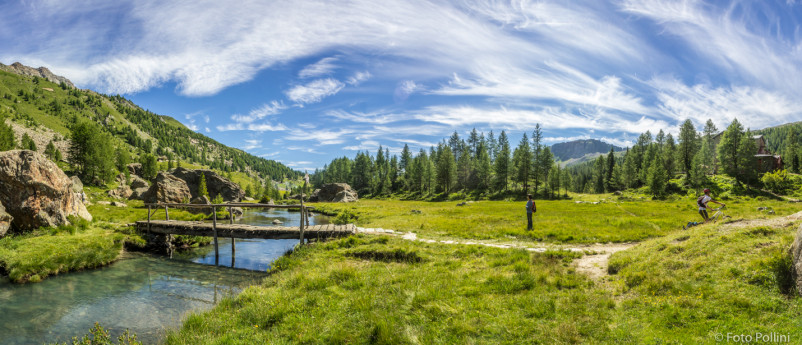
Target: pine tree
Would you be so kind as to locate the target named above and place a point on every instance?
(747, 163)
(546, 160)
(537, 150)
(91, 152)
(122, 158)
(609, 184)
(446, 168)
(465, 167)
(502, 163)
(484, 169)
(657, 178)
(202, 191)
(598, 175)
(522, 163)
(50, 151)
(728, 150)
(554, 180)
(28, 143)
(149, 166)
(688, 145)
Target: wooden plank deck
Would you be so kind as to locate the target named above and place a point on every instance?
(172, 227)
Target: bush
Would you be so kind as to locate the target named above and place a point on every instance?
(777, 182)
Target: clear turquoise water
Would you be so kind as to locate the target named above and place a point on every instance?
(141, 292)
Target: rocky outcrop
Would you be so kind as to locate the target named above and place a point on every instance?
(135, 169)
(36, 192)
(41, 72)
(138, 187)
(335, 192)
(167, 188)
(5, 221)
(122, 191)
(133, 190)
(796, 255)
(215, 184)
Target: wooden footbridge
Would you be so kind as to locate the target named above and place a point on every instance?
(214, 229)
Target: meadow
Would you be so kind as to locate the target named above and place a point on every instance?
(595, 219)
(674, 287)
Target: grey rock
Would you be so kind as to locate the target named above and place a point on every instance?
(41, 72)
(135, 169)
(77, 185)
(5, 221)
(35, 192)
(118, 204)
(215, 184)
(167, 188)
(138, 182)
(277, 222)
(334, 192)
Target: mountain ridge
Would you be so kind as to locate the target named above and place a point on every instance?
(576, 149)
(40, 101)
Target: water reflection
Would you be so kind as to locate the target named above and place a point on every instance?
(141, 292)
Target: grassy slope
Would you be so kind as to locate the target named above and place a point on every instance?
(555, 221)
(680, 288)
(350, 291)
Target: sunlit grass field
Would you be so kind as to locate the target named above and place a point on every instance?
(564, 221)
(685, 288)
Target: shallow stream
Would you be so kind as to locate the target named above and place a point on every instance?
(145, 293)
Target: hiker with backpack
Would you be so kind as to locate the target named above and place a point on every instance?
(702, 203)
(530, 208)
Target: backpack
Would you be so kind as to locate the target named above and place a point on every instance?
(700, 203)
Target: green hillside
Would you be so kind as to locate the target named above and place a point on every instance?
(38, 106)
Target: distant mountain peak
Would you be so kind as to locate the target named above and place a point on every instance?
(580, 148)
(41, 72)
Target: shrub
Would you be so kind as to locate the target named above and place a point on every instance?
(777, 181)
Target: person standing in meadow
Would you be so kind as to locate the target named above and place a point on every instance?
(530, 208)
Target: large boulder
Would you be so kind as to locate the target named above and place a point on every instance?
(77, 185)
(5, 221)
(138, 182)
(796, 254)
(167, 188)
(335, 192)
(215, 184)
(35, 192)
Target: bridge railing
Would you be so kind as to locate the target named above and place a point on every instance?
(155, 207)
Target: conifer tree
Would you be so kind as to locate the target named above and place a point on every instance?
(688, 145)
(522, 163)
(202, 191)
(502, 163)
(446, 168)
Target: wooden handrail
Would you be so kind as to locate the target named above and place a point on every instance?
(160, 205)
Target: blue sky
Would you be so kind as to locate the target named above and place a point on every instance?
(303, 82)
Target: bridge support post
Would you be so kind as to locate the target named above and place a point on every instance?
(214, 229)
(166, 213)
(233, 241)
(148, 220)
(303, 210)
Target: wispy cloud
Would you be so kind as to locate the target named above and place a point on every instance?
(323, 67)
(314, 91)
(358, 78)
(405, 89)
(252, 144)
(255, 127)
(272, 108)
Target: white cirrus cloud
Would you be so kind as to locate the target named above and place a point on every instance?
(754, 107)
(358, 78)
(255, 127)
(405, 89)
(252, 144)
(323, 67)
(272, 108)
(314, 91)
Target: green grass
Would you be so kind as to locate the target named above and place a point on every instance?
(379, 290)
(34, 256)
(566, 221)
(687, 288)
(682, 288)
